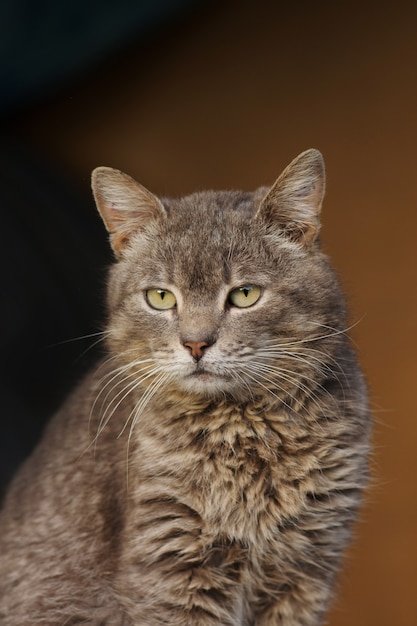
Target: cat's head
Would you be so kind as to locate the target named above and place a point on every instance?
(221, 292)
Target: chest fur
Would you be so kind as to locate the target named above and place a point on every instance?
(240, 469)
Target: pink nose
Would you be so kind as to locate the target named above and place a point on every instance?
(196, 348)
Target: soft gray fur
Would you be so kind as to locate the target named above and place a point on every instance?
(209, 470)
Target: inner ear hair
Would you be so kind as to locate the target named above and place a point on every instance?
(293, 203)
(124, 205)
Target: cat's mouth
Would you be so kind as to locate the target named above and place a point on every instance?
(206, 382)
(203, 374)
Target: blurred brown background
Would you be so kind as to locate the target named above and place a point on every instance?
(224, 96)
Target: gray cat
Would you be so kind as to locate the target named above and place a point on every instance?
(208, 472)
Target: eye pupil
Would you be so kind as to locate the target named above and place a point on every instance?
(160, 299)
(246, 296)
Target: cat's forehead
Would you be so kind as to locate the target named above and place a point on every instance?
(211, 207)
(210, 223)
(207, 240)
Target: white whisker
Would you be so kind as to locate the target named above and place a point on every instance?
(111, 381)
(335, 332)
(118, 399)
(155, 371)
(102, 334)
(242, 382)
(257, 379)
(151, 390)
(287, 375)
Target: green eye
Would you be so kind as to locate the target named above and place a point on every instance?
(161, 299)
(243, 297)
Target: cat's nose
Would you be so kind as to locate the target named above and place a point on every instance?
(196, 348)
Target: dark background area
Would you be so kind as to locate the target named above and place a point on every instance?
(210, 94)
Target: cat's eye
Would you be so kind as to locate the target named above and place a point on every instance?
(245, 296)
(161, 299)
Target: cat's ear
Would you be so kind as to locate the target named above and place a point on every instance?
(294, 201)
(124, 205)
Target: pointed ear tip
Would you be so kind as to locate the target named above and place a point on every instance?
(101, 171)
(312, 162)
(314, 156)
(97, 175)
(314, 151)
(103, 177)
